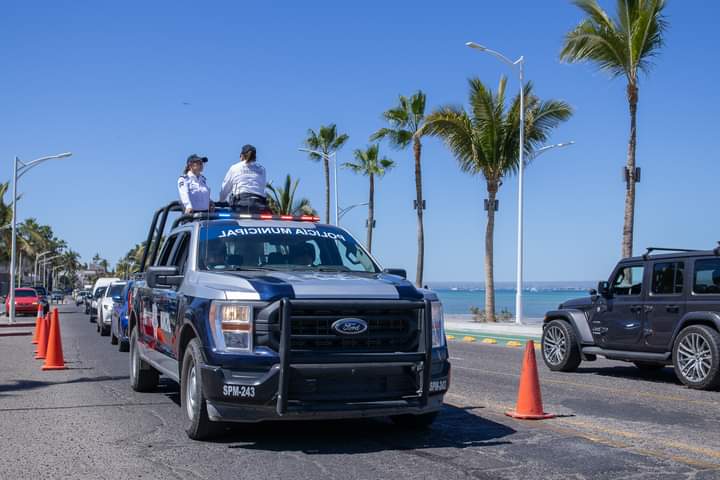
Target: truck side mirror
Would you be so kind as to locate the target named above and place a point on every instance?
(163, 277)
(604, 289)
(400, 272)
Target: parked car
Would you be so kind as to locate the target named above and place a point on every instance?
(105, 307)
(43, 296)
(262, 317)
(57, 296)
(95, 303)
(119, 324)
(26, 302)
(99, 283)
(655, 310)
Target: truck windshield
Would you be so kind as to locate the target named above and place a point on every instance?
(231, 246)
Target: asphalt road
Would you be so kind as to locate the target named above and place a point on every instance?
(615, 422)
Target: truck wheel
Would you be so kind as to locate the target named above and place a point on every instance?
(192, 400)
(143, 378)
(560, 350)
(649, 366)
(416, 422)
(113, 338)
(696, 357)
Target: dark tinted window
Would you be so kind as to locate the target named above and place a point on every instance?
(167, 248)
(40, 290)
(667, 278)
(628, 281)
(25, 293)
(181, 253)
(707, 276)
(100, 292)
(116, 290)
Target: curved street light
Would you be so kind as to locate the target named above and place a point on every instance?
(343, 211)
(327, 157)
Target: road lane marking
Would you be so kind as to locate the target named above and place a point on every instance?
(653, 396)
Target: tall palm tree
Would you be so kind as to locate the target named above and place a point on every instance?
(405, 121)
(486, 141)
(282, 200)
(327, 141)
(621, 46)
(369, 163)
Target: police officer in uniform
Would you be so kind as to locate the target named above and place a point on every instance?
(245, 181)
(192, 186)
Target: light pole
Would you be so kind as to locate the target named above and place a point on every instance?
(345, 210)
(327, 157)
(35, 271)
(19, 171)
(544, 149)
(44, 267)
(519, 64)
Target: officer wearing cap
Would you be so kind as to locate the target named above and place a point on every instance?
(192, 186)
(245, 180)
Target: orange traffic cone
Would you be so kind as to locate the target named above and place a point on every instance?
(37, 325)
(54, 359)
(529, 402)
(42, 338)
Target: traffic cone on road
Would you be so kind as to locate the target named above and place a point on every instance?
(38, 319)
(529, 402)
(54, 359)
(42, 338)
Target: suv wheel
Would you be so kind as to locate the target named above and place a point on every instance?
(696, 357)
(417, 422)
(192, 400)
(560, 350)
(143, 378)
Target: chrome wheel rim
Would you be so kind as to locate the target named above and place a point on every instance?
(694, 357)
(191, 393)
(554, 345)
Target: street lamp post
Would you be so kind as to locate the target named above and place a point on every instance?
(44, 264)
(345, 210)
(334, 162)
(519, 64)
(35, 270)
(19, 171)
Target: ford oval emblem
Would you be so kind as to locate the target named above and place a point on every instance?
(350, 326)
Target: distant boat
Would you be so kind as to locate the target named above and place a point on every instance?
(454, 289)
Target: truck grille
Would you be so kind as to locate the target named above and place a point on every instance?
(389, 329)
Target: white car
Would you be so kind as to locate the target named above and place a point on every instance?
(105, 306)
(102, 282)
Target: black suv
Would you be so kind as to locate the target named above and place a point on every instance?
(656, 310)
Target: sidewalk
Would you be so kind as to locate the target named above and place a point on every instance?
(464, 325)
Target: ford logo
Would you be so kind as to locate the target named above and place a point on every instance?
(350, 326)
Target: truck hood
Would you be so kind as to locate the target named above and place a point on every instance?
(307, 284)
(582, 303)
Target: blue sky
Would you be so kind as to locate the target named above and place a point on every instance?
(108, 81)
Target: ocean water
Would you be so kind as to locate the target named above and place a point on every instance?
(535, 301)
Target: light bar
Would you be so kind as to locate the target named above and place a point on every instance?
(252, 216)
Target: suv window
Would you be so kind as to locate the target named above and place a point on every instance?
(667, 278)
(707, 276)
(181, 252)
(167, 248)
(628, 281)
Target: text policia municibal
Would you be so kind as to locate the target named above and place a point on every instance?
(309, 232)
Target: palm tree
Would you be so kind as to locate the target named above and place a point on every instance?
(327, 141)
(486, 141)
(621, 46)
(5, 219)
(405, 121)
(369, 163)
(282, 200)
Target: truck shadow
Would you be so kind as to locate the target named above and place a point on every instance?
(454, 428)
(630, 372)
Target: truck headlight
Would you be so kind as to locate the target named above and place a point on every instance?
(232, 326)
(438, 324)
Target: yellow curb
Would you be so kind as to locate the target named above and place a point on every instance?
(538, 346)
(489, 340)
(468, 339)
(513, 343)
(451, 337)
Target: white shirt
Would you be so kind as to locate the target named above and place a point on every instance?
(194, 192)
(244, 177)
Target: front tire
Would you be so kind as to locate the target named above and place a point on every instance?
(560, 349)
(198, 425)
(143, 377)
(696, 357)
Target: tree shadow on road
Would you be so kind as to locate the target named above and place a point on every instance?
(454, 428)
(22, 385)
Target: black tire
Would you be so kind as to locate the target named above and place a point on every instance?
(123, 346)
(143, 377)
(649, 366)
(415, 422)
(711, 339)
(560, 349)
(113, 338)
(198, 425)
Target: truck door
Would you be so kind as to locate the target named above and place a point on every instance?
(160, 309)
(665, 304)
(618, 324)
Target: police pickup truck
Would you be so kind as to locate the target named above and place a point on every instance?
(265, 317)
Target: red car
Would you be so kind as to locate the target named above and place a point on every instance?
(26, 301)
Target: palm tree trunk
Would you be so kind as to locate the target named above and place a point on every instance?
(326, 166)
(371, 213)
(629, 224)
(492, 188)
(417, 148)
